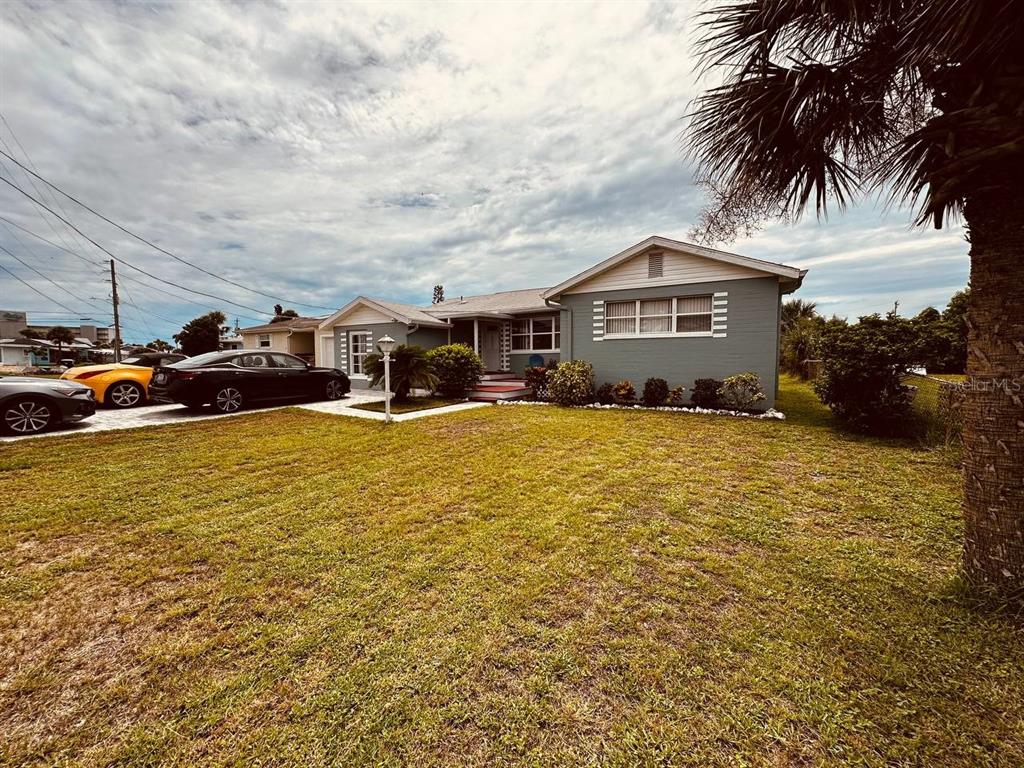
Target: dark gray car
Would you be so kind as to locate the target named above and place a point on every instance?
(29, 405)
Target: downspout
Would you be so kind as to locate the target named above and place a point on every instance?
(566, 337)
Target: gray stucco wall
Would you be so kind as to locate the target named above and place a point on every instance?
(428, 338)
(397, 331)
(751, 343)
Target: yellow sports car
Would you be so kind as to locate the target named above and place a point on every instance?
(124, 384)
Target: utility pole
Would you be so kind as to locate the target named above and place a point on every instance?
(117, 317)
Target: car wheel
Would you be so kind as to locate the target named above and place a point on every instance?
(125, 394)
(228, 400)
(334, 390)
(27, 416)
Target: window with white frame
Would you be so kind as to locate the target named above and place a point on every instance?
(358, 347)
(693, 314)
(536, 334)
(264, 340)
(680, 316)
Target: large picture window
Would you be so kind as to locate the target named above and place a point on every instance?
(536, 334)
(681, 316)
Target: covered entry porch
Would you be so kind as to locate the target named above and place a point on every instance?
(488, 335)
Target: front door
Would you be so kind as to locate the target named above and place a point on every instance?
(490, 346)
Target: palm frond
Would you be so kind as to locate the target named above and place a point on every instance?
(824, 99)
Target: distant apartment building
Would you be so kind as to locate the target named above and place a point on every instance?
(13, 322)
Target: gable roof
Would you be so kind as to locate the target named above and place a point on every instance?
(398, 312)
(768, 267)
(292, 324)
(505, 301)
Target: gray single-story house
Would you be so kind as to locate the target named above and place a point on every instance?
(660, 308)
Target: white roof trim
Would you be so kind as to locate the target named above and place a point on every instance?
(395, 316)
(769, 267)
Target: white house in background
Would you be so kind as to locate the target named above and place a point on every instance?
(294, 336)
(22, 352)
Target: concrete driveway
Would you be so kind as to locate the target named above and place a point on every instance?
(106, 419)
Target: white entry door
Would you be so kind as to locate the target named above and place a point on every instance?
(490, 347)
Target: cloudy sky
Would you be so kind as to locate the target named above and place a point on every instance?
(317, 151)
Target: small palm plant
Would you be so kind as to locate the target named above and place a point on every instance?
(410, 370)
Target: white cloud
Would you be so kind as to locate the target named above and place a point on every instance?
(322, 150)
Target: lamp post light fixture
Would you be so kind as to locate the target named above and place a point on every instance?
(387, 345)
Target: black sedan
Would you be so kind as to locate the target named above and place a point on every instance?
(29, 405)
(229, 381)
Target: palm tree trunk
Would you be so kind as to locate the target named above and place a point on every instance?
(994, 404)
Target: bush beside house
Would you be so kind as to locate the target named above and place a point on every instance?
(571, 383)
(457, 367)
(741, 392)
(536, 377)
(655, 392)
(705, 393)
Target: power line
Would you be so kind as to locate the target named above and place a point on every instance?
(47, 279)
(38, 212)
(157, 247)
(181, 298)
(126, 263)
(32, 165)
(51, 243)
(32, 287)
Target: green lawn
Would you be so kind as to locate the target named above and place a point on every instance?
(413, 404)
(498, 586)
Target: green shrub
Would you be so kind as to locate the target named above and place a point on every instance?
(572, 383)
(705, 393)
(862, 368)
(537, 377)
(655, 392)
(625, 392)
(741, 392)
(605, 394)
(409, 370)
(677, 397)
(457, 367)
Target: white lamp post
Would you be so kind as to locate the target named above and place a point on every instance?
(387, 346)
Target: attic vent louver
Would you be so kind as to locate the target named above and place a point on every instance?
(656, 264)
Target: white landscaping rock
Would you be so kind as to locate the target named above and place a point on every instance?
(771, 413)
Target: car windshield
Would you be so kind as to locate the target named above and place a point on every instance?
(199, 360)
(132, 361)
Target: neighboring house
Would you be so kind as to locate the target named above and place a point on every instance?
(22, 352)
(295, 335)
(25, 352)
(662, 308)
(233, 340)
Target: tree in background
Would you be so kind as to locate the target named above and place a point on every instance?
(438, 294)
(824, 101)
(797, 309)
(201, 334)
(159, 345)
(31, 333)
(60, 336)
(281, 314)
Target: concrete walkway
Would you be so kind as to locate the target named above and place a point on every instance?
(105, 420)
